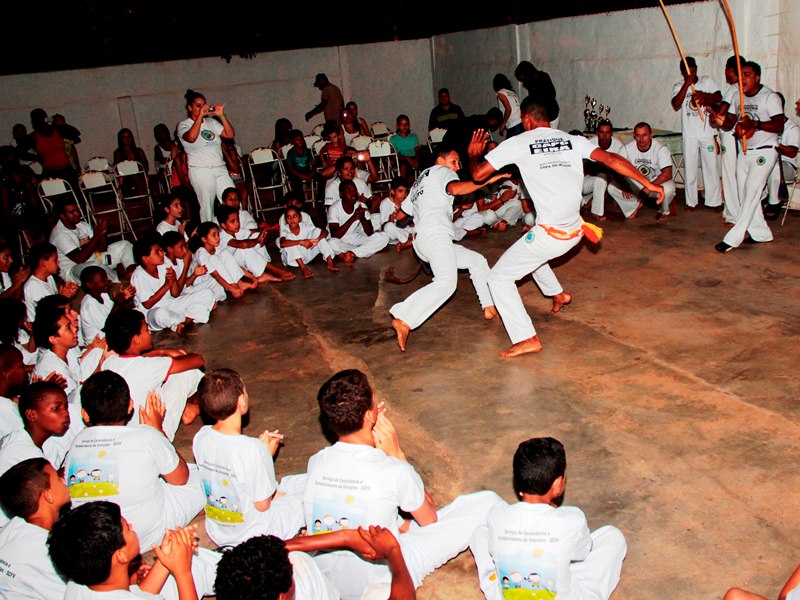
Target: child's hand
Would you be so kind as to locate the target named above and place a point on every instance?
(53, 377)
(126, 292)
(272, 439)
(380, 541)
(176, 549)
(237, 292)
(182, 228)
(68, 289)
(200, 270)
(153, 412)
(170, 275)
(385, 437)
(20, 276)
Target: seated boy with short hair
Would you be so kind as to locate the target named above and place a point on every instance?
(93, 546)
(242, 494)
(97, 303)
(537, 547)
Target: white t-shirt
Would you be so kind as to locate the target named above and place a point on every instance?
(762, 106)
(615, 146)
(551, 164)
(309, 582)
(650, 163)
(27, 572)
(692, 124)
(283, 228)
(80, 592)
(5, 281)
(221, 261)
(34, 290)
(16, 447)
(163, 227)
(237, 471)
(337, 214)
(122, 464)
(69, 370)
(533, 544)
(146, 286)
(307, 231)
(332, 189)
(9, 416)
(790, 137)
(387, 208)
(142, 374)
(94, 314)
(66, 240)
(206, 150)
(352, 484)
(430, 204)
(513, 100)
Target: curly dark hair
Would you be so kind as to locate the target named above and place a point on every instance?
(258, 569)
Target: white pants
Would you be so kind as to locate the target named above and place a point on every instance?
(789, 173)
(705, 148)
(529, 254)
(204, 574)
(292, 254)
(469, 220)
(193, 304)
(182, 503)
(424, 548)
(174, 393)
(362, 245)
(445, 258)
(752, 172)
(593, 578)
(208, 184)
(596, 186)
(730, 190)
(253, 259)
(397, 234)
(510, 212)
(617, 192)
(119, 253)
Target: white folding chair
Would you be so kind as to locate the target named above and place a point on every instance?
(315, 149)
(54, 187)
(380, 130)
(793, 203)
(318, 130)
(136, 192)
(99, 163)
(311, 140)
(266, 173)
(361, 142)
(435, 136)
(386, 162)
(98, 187)
(285, 150)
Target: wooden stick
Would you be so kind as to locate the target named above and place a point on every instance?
(683, 57)
(729, 14)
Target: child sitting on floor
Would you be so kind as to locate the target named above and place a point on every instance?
(43, 258)
(399, 234)
(222, 266)
(160, 296)
(243, 498)
(231, 197)
(172, 212)
(97, 304)
(300, 243)
(248, 249)
(539, 548)
(191, 274)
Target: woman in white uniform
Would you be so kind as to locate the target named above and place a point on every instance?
(200, 135)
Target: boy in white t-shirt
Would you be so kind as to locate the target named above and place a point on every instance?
(243, 498)
(43, 258)
(539, 549)
(403, 236)
(173, 373)
(159, 293)
(351, 232)
(97, 303)
(131, 464)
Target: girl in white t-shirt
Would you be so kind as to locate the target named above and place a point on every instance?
(508, 101)
(301, 242)
(222, 266)
(172, 212)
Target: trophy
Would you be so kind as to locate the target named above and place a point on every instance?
(586, 101)
(593, 117)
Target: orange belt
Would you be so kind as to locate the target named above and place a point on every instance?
(592, 232)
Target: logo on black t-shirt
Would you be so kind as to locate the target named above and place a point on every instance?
(550, 146)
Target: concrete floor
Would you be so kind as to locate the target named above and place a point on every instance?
(671, 380)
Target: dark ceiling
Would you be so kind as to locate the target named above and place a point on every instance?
(71, 34)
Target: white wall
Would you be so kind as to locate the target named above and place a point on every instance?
(625, 59)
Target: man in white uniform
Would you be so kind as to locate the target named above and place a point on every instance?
(351, 232)
(551, 164)
(364, 478)
(595, 183)
(346, 171)
(760, 128)
(652, 159)
(785, 168)
(430, 202)
(698, 133)
(727, 144)
(80, 246)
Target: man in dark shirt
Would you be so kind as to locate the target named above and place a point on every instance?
(445, 114)
(540, 88)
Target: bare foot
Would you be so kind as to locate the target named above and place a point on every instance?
(266, 277)
(332, 267)
(527, 228)
(559, 302)
(598, 217)
(347, 257)
(306, 272)
(662, 216)
(636, 210)
(403, 330)
(286, 276)
(490, 312)
(190, 413)
(404, 245)
(528, 346)
(179, 328)
(500, 226)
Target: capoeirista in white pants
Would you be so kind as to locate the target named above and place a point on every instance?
(445, 259)
(529, 254)
(208, 184)
(696, 151)
(752, 173)
(618, 193)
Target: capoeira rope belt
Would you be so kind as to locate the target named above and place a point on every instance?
(592, 232)
(206, 166)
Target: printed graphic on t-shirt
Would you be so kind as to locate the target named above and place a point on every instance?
(338, 506)
(525, 570)
(207, 135)
(550, 146)
(222, 501)
(93, 472)
(645, 167)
